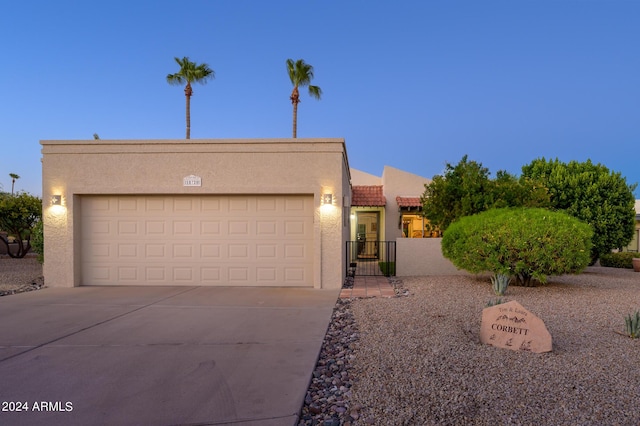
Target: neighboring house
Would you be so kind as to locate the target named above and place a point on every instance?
(253, 212)
(387, 207)
(634, 245)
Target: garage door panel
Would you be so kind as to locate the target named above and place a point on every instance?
(127, 250)
(210, 251)
(127, 204)
(209, 228)
(183, 228)
(211, 275)
(155, 274)
(266, 205)
(197, 240)
(154, 227)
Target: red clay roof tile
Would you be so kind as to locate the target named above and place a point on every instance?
(408, 201)
(367, 196)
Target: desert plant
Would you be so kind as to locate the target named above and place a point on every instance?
(500, 282)
(618, 260)
(632, 325)
(494, 302)
(522, 242)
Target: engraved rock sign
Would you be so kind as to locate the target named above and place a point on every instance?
(511, 326)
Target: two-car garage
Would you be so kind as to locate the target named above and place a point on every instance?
(204, 212)
(210, 240)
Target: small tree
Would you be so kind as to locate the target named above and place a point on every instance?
(522, 242)
(18, 215)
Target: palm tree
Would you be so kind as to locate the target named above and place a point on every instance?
(190, 72)
(13, 180)
(300, 74)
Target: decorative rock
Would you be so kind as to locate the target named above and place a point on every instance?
(511, 326)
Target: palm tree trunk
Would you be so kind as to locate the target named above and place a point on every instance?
(295, 99)
(295, 120)
(188, 117)
(187, 93)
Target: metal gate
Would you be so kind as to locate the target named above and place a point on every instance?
(371, 258)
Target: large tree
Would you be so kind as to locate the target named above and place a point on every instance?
(592, 193)
(300, 74)
(190, 72)
(467, 188)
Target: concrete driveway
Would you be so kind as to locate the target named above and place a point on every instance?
(159, 355)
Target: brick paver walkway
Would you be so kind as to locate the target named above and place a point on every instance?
(365, 286)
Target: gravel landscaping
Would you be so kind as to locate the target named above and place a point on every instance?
(417, 360)
(20, 275)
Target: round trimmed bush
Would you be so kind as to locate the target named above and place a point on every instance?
(522, 242)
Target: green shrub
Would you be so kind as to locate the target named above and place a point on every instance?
(618, 260)
(522, 242)
(37, 241)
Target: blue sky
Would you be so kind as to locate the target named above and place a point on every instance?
(410, 84)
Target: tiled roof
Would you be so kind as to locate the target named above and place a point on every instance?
(408, 201)
(368, 196)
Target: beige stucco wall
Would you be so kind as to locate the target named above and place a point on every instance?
(399, 183)
(238, 166)
(358, 177)
(422, 256)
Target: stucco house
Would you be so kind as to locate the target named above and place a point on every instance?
(250, 212)
(387, 207)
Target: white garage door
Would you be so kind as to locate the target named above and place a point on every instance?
(212, 240)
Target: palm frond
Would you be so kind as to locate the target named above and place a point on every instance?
(315, 91)
(175, 79)
(301, 74)
(190, 72)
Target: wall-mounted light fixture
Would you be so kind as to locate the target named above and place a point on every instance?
(327, 199)
(56, 200)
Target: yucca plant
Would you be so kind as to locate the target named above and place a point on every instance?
(494, 302)
(632, 325)
(500, 282)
